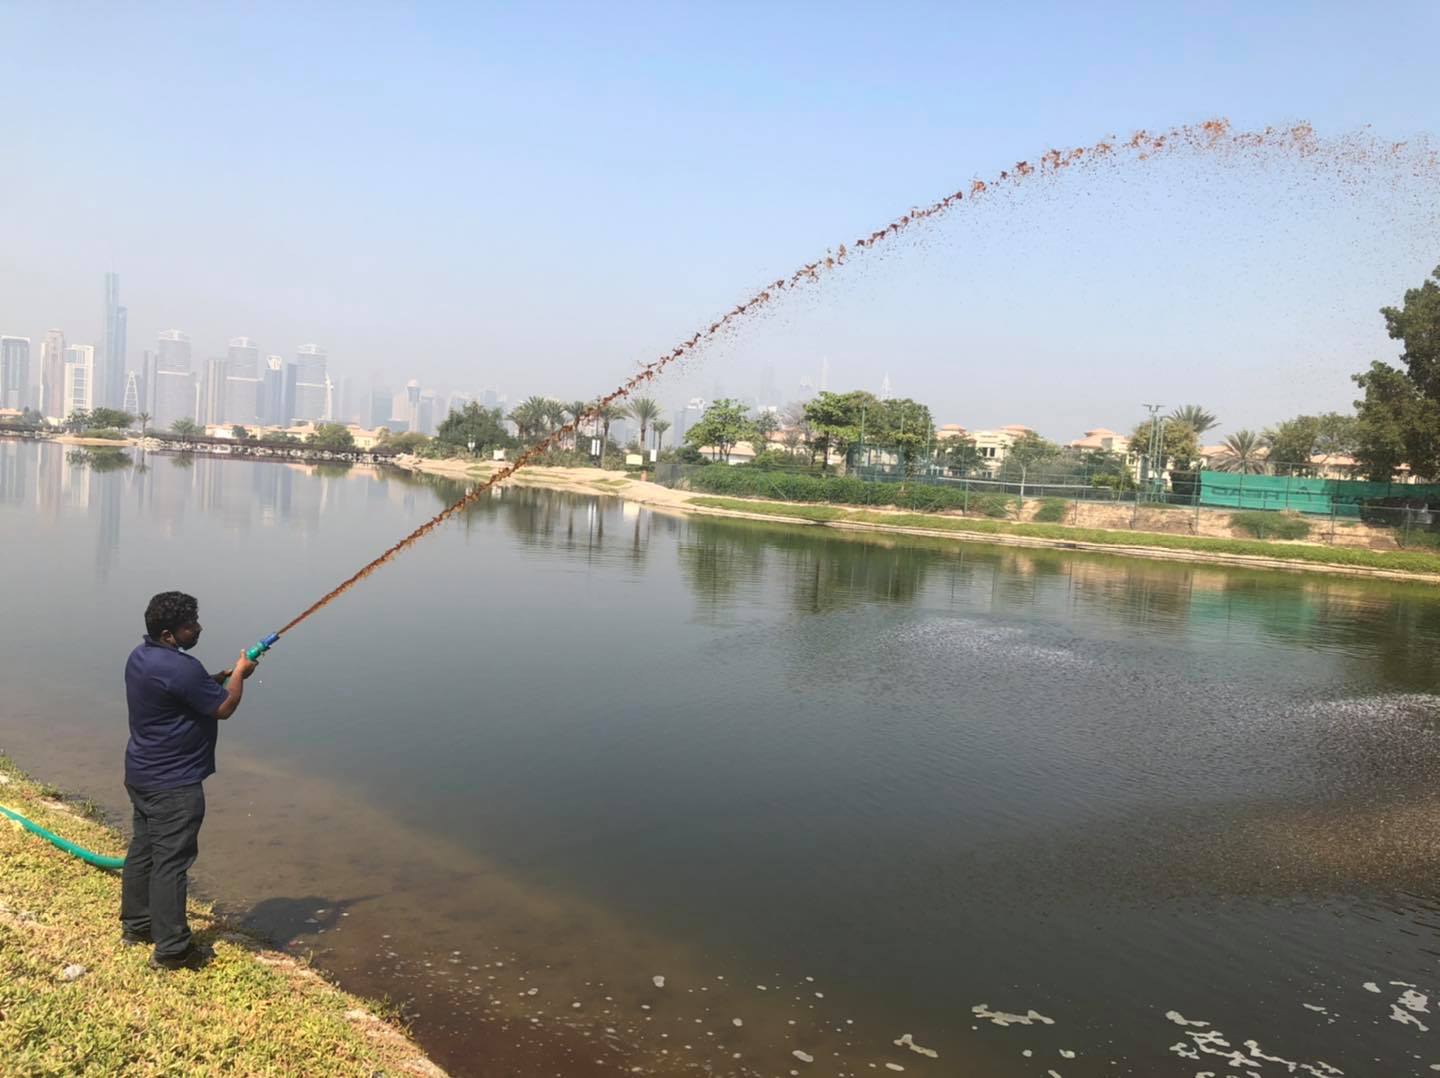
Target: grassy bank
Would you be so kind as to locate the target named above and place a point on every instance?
(1349, 557)
(251, 1011)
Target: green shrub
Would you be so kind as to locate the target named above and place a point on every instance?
(995, 506)
(1417, 540)
(1051, 511)
(1263, 525)
(747, 482)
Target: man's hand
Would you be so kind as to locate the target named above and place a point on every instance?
(244, 666)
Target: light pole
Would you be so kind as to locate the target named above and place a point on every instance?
(1157, 442)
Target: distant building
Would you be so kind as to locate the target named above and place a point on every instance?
(272, 391)
(242, 400)
(172, 351)
(79, 379)
(412, 405)
(425, 412)
(14, 372)
(992, 446)
(134, 394)
(1102, 440)
(307, 385)
(949, 432)
(52, 375)
(382, 407)
(212, 394)
(243, 358)
(455, 402)
(174, 387)
(351, 409)
(112, 365)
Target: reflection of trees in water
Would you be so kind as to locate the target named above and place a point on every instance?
(100, 458)
(560, 520)
(819, 572)
(714, 563)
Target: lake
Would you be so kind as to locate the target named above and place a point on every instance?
(1042, 812)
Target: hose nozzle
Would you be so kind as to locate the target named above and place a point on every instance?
(254, 652)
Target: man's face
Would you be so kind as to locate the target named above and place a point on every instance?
(184, 637)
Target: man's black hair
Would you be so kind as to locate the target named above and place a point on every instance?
(170, 610)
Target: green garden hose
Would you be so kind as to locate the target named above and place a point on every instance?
(88, 856)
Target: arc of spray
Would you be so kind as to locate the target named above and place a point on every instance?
(1141, 146)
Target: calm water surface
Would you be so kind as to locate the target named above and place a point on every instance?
(832, 790)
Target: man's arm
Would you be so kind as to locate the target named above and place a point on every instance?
(234, 687)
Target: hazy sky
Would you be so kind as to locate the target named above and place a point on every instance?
(538, 197)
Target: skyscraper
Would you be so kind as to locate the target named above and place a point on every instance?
(412, 405)
(244, 358)
(352, 406)
(52, 375)
(134, 393)
(212, 397)
(111, 367)
(381, 407)
(79, 379)
(175, 389)
(243, 383)
(272, 391)
(455, 402)
(312, 394)
(173, 351)
(14, 372)
(425, 412)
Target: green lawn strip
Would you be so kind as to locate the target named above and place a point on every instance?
(774, 509)
(242, 1014)
(1403, 561)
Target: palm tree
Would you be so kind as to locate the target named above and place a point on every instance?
(606, 414)
(554, 414)
(531, 417)
(1244, 452)
(660, 426)
(578, 410)
(1198, 418)
(644, 411)
(185, 426)
(144, 418)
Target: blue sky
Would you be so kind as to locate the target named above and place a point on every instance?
(536, 197)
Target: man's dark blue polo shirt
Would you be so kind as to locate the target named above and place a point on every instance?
(173, 728)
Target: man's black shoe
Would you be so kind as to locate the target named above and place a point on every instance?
(194, 958)
(134, 939)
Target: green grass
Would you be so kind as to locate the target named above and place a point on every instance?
(1051, 511)
(1412, 561)
(776, 509)
(239, 1015)
(1271, 525)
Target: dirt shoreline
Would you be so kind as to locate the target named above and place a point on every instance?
(665, 499)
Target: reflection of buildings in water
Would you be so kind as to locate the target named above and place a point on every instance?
(49, 460)
(75, 479)
(16, 465)
(271, 486)
(107, 537)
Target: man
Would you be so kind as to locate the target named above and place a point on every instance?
(175, 708)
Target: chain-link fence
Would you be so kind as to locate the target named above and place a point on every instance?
(1219, 505)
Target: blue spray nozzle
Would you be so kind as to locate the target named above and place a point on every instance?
(254, 653)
